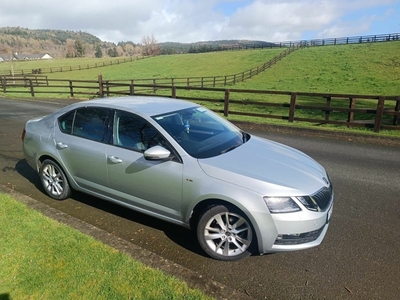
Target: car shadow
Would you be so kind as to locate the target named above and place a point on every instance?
(25, 170)
(177, 234)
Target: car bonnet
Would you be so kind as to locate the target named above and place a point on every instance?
(269, 168)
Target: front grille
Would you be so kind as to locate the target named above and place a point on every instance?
(323, 197)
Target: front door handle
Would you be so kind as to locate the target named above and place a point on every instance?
(61, 145)
(114, 159)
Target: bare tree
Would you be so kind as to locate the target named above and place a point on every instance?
(150, 46)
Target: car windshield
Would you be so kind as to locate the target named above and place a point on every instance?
(200, 132)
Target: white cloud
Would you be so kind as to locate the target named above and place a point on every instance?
(196, 20)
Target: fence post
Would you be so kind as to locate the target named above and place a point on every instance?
(396, 109)
(154, 86)
(328, 105)
(226, 103)
(4, 83)
(100, 80)
(350, 117)
(293, 97)
(173, 92)
(379, 113)
(71, 88)
(107, 88)
(131, 88)
(31, 86)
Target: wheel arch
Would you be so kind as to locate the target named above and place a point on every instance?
(43, 157)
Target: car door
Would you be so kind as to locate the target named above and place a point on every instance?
(81, 144)
(151, 186)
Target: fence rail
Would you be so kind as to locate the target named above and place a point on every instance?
(371, 111)
(344, 40)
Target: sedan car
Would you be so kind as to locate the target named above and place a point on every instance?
(180, 162)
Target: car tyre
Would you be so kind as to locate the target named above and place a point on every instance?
(54, 181)
(225, 233)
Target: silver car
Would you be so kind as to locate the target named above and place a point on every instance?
(180, 162)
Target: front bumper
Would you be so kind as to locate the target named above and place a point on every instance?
(292, 231)
(306, 232)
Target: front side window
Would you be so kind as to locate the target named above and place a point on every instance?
(133, 132)
(200, 132)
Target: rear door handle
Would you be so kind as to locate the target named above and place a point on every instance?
(114, 159)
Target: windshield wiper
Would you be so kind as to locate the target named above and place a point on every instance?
(230, 148)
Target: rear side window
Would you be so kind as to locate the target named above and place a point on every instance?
(65, 122)
(88, 122)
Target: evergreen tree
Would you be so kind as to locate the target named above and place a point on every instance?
(98, 53)
(79, 48)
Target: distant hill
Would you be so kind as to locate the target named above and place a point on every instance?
(60, 44)
(59, 37)
(208, 46)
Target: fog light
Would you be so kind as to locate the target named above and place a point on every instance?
(298, 238)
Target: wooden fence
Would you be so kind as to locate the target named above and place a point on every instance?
(79, 67)
(239, 46)
(371, 111)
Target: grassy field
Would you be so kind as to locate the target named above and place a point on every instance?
(358, 69)
(169, 66)
(43, 259)
(366, 69)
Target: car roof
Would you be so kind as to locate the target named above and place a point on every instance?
(144, 105)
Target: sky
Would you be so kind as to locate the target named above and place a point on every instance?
(188, 21)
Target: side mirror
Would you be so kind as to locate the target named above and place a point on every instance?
(157, 153)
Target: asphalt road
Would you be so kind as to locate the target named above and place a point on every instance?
(359, 258)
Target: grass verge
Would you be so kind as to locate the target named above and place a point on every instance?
(43, 259)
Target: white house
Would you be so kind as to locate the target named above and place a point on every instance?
(17, 56)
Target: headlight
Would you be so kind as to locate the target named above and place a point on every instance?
(277, 205)
(309, 203)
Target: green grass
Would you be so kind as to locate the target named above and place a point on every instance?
(57, 64)
(358, 69)
(165, 66)
(368, 69)
(352, 69)
(43, 259)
